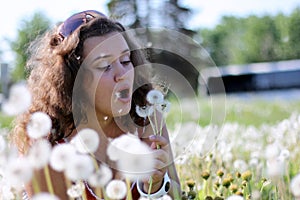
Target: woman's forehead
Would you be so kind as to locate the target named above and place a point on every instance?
(111, 44)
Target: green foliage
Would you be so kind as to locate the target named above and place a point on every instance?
(27, 32)
(253, 39)
(294, 33)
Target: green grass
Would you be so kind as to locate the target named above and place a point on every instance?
(254, 112)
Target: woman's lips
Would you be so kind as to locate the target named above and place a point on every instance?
(124, 95)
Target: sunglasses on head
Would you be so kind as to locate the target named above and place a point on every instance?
(73, 22)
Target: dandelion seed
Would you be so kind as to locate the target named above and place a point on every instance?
(44, 196)
(39, 154)
(86, 141)
(19, 100)
(116, 189)
(295, 185)
(39, 125)
(61, 155)
(80, 167)
(101, 177)
(155, 97)
(144, 111)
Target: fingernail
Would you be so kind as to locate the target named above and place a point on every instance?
(152, 137)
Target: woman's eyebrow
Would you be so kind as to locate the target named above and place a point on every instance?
(102, 56)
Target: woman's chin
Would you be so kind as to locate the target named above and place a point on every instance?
(121, 111)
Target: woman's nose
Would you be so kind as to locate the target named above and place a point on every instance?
(120, 71)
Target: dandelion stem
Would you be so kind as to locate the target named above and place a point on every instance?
(84, 196)
(68, 185)
(98, 192)
(35, 185)
(150, 186)
(154, 129)
(129, 195)
(48, 180)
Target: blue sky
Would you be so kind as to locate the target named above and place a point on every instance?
(207, 13)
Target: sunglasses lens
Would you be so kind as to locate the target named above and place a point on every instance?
(73, 22)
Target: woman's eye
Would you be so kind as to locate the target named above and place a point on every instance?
(106, 68)
(126, 62)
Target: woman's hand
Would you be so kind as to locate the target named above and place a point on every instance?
(162, 158)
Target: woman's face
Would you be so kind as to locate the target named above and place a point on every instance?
(109, 80)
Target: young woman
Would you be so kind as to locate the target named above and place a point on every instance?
(83, 75)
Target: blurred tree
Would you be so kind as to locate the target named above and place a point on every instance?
(224, 42)
(261, 40)
(294, 33)
(28, 31)
(155, 17)
(253, 39)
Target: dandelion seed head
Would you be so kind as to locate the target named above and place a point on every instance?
(164, 107)
(86, 141)
(101, 177)
(44, 196)
(80, 167)
(144, 111)
(76, 190)
(19, 100)
(39, 125)
(18, 172)
(134, 158)
(295, 185)
(116, 189)
(61, 155)
(155, 97)
(39, 154)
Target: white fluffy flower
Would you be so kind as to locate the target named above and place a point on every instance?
(6, 191)
(19, 100)
(39, 125)
(134, 158)
(86, 141)
(275, 168)
(101, 177)
(272, 151)
(75, 191)
(155, 97)
(235, 197)
(18, 172)
(116, 189)
(144, 111)
(61, 155)
(2, 144)
(295, 185)
(44, 196)
(39, 154)
(79, 167)
(163, 107)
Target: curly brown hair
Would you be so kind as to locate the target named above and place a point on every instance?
(53, 65)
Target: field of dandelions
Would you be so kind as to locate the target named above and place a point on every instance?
(253, 153)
